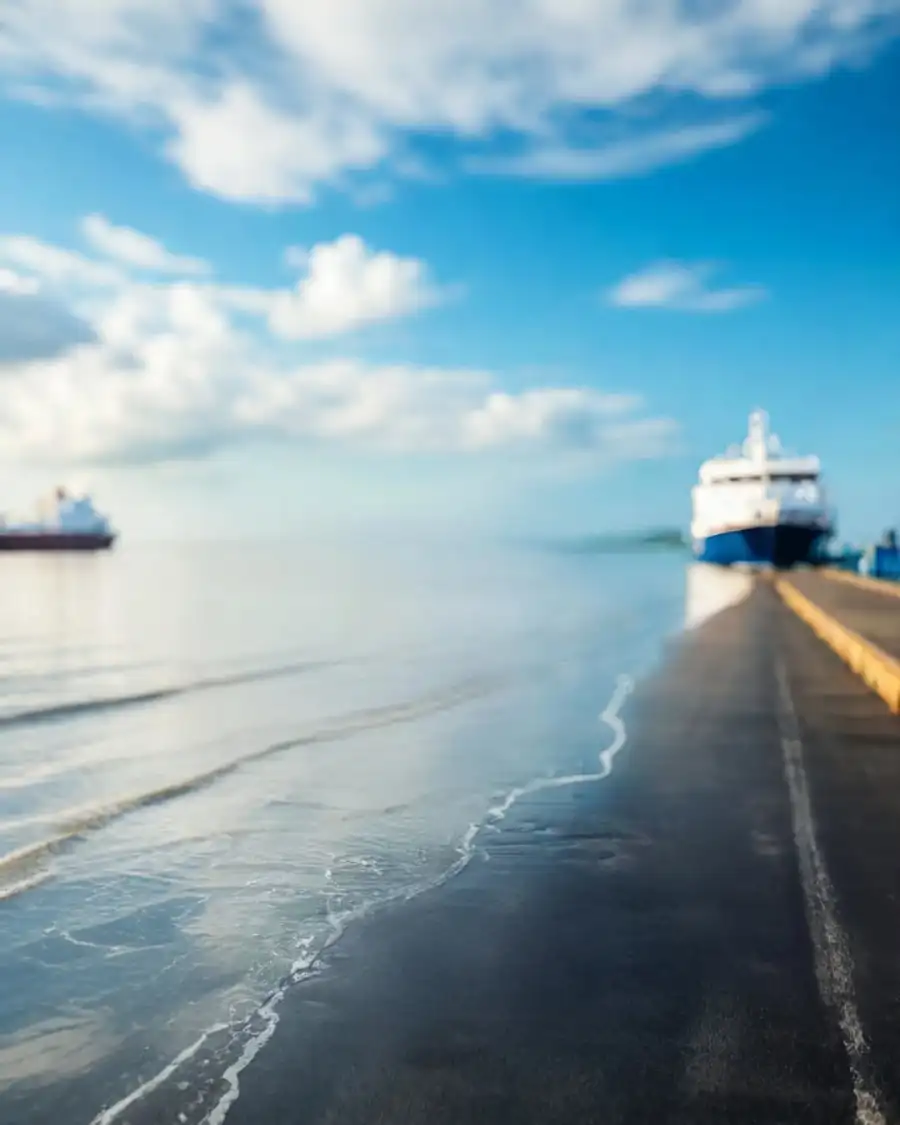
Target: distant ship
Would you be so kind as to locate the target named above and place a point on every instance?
(65, 523)
(755, 505)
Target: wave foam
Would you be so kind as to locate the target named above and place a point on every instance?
(24, 861)
(260, 1027)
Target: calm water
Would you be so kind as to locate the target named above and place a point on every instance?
(214, 760)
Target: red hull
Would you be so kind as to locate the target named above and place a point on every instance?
(52, 541)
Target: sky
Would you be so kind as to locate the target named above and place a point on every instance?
(275, 266)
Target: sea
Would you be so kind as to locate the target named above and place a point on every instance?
(215, 759)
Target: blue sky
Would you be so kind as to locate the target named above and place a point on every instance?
(542, 265)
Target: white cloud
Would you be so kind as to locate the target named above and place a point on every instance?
(345, 285)
(617, 159)
(16, 283)
(54, 264)
(239, 146)
(680, 285)
(187, 392)
(132, 248)
(348, 285)
(165, 371)
(266, 100)
(572, 417)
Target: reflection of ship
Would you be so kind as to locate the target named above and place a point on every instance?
(710, 589)
(65, 523)
(754, 505)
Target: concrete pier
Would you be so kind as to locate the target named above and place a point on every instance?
(859, 620)
(870, 608)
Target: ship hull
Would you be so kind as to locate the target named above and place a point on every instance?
(777, 545)
(53, 541)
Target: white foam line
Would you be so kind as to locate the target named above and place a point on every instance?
(831, 950)
(251, 1049)
(308, 965)
(610, 716)
(107, 1116)
(66, 936)
(303, 967)
(109, 950)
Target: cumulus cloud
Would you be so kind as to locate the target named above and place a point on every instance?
(683, 286)
(305, 93)
(573, 416)
(16, 283)
(344, 284)
(240, 146)
(132, 248)
(186, 394)
(56, 265)
(577, 420)
(348, 285)
(166, 370)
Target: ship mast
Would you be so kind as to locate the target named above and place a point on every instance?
(758, 442)
(757, 447)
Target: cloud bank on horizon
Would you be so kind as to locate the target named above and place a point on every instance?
(122, 365)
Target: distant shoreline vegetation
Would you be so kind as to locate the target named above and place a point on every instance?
(651, 539)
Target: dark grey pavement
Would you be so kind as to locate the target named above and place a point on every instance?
(852, 750)
(874, 615)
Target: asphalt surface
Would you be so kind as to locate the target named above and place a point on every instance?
(873, 615)
(708, 935)
(852, 751)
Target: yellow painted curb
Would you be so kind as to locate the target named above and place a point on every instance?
(880, 671)
(879, 585)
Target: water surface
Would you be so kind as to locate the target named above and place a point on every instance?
(215, 759)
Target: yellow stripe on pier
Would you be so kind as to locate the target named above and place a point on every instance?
(880, 671)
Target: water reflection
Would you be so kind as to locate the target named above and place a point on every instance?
(710, 589)
(178, 915)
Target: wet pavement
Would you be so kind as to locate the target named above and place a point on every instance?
(865, 610)
(709, 935)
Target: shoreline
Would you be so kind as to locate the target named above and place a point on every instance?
(214, 1061)
(607, 952)
(306, 970)
(507, 995)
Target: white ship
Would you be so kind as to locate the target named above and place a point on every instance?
(755, 505)
(65, 523)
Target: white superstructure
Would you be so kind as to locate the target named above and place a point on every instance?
(755, 504)
(77, 515)
(61, 520)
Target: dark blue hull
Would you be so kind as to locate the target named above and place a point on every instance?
(55, 541)
(781, 546)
